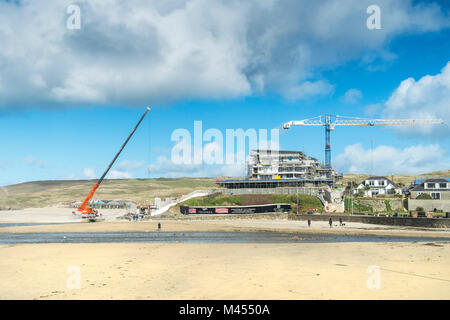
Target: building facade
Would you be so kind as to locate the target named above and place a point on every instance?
(436, 188)
(373, 186)
(282, 164)
(281, 168)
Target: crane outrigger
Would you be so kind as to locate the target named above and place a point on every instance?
(88, 212)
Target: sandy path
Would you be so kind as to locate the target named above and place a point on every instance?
(226, 271)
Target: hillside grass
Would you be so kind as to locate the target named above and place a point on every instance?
(50, 193)
(305, 201)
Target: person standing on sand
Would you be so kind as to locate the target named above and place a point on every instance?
(309, 223)
(340, 221)
(159, 226)
(330, 222)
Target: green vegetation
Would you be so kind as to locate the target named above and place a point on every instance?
(424, 196)
(305, 201)
(357, 207)
(439, 214)
(420, 209)
(388, 205)
(214, 200)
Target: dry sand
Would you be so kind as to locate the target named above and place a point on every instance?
(226, 271)
(220, 271)
(51, 215)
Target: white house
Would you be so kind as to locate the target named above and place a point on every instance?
(377, 185)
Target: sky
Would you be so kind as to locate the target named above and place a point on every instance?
(71, 90)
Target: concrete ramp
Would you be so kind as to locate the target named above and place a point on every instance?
(194, 194)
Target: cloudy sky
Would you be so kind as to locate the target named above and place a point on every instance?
(70, 93)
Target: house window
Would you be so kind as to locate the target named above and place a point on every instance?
(430, 185)
(382, 182)
(371, 183)
(443, 185)
(436, 195)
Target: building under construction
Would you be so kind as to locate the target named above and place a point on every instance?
(281, 168)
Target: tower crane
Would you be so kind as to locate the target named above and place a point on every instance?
(331, 121)
(88, 212)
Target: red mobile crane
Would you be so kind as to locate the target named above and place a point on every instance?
(88, 212)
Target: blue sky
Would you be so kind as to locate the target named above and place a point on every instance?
(69, 98)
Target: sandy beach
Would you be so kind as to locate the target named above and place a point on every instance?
(355, 270)
(226, 271)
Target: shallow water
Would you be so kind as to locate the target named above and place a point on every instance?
(199, 237)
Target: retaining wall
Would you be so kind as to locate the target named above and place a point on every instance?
(429, 205)
(393, 221)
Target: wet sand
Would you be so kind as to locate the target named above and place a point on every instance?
(244, 225)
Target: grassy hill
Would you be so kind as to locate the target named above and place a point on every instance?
(49, 193)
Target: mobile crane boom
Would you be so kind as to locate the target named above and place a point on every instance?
(84, 208)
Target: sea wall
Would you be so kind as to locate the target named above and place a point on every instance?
(393, 221)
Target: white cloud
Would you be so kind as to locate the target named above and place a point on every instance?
(115, 174)
(89, 173)
(427, 98)
(352, 96)
(128, 165)
(166, 168)
(132, 52)
(34, 162)
(373, 109)
(387, 159)
(308, 89)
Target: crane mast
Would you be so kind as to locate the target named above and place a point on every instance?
(330, 121)
(84, 208)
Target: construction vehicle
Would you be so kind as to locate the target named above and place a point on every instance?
(330, 121)
(88, 212)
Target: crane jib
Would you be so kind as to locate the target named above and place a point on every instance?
(123, 146)
(330, 121)
(82, 207)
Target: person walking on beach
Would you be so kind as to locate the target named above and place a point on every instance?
(340, 221)
(159, 226)
(330, 222)
(309, 223)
